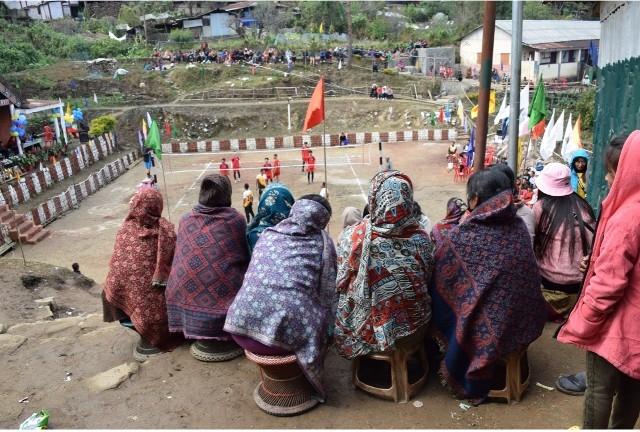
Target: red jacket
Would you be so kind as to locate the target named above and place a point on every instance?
(606, 319)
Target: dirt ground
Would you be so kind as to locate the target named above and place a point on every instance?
(52, 362)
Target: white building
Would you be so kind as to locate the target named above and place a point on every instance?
(43, 10)
(554, 49)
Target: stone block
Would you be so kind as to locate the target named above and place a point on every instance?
(111, 378)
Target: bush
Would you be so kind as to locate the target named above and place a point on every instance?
(109, 48)
(390, 71)
(101, 125)
(378, 29)
(181, 36)
(586, 106)
(18, 56)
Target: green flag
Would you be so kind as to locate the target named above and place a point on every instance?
(538, 107)
(153, 139)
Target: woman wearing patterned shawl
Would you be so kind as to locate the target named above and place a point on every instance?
(455, 209)
(138, 272)
(287, 300)
(275, 205)
(384, 266)
(210, 262)
(486, 288)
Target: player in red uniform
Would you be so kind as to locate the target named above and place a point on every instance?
(311, 167)
(276, 168)
(224, 168)
(267, 169)
(235, 164)
(305, 154)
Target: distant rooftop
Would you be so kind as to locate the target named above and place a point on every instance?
(536, 32)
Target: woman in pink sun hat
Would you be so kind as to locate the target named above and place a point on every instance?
(565, 223)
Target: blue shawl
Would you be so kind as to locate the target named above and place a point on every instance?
(274, 206)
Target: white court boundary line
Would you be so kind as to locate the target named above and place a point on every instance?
(355, 175)
(192, 187)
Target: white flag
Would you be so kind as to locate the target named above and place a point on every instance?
(148, 119)
(95, 97)
(524, 111)
(558, 129)
(565, 152)
(503, 112)
(340, 64)
(548, 143)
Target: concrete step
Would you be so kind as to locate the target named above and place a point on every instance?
(39, 236)
(24, 236)
(24, 225)
(4, 208)
(16, 221)
(6, 216)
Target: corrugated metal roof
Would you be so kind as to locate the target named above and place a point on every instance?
(549, 31)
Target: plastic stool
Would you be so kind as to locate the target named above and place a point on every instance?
(516, 382)
(401, 389)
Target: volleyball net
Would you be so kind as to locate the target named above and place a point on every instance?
(253, 160)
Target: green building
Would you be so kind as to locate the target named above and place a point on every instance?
(618, 99)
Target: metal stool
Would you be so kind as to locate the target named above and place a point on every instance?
(283, 389)
(401, 389)
(517, 375)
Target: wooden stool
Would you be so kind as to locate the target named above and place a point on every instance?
(283, 389)
(401, 389)
(517, 374)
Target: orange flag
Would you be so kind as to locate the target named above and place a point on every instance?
(538, 130)
(315, 110)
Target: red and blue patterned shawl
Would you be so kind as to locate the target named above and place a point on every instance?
(486, 295)
(208, 268)
(288, 296)
(384, 266)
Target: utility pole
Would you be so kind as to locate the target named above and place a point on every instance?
(514, 100)
(486, 64)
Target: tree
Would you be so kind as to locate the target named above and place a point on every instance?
(327, 12)
(269, 18)
(347, 11)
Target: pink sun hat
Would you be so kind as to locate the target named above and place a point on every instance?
(555, 180)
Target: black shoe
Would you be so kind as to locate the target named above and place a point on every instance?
(574, 385)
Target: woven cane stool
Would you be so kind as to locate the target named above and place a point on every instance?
(517, 375)
(283, 389)
(401, 389)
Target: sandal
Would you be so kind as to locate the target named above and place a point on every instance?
(215, 351)
(574, 385)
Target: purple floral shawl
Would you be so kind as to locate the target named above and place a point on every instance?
(288, 297)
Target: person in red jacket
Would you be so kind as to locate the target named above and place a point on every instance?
(604, 321)
(235, 164)
(276, 168)
(305, 154)
(311, 167)
(267, 169)
(224, 168)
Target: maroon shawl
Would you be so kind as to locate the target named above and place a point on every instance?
(140, 265)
